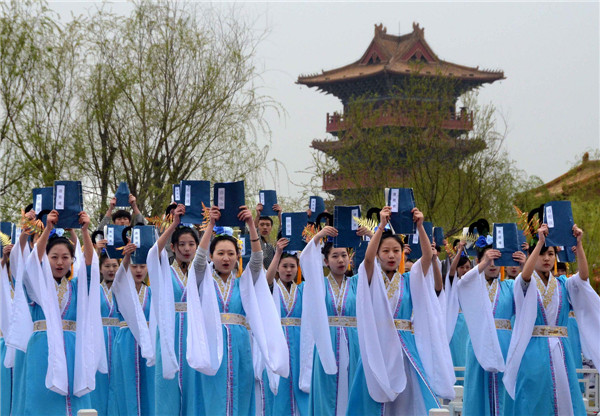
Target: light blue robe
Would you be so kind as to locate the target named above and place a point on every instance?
(535, 387)
(231, 390)
(458, 345)
(100, 395)
(484, 392)
(322, 399)
(5, 382)
(132, 381)
(289, 396)
(38, 399)
(361, 402)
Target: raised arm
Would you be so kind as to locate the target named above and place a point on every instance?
(371, 252)
(454, 265)
(51, 221)
(582, 264)
(259, 208)
(272, 270)
(127, 252)
(532, 259)
(327, 231)
(489, 256)
(88, 246)
(246, 216)
(437, 270)
(418, 218)
(164, 239)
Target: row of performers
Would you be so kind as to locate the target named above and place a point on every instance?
(205, 339)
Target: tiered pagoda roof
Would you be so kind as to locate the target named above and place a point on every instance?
(390, 57)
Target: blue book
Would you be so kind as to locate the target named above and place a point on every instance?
(506, 240)
(122, 195)
(559, 217)
(42, 199)
(359, 255)
(316, 204)
(245, 248)
(415, 244)
(292, 225)
(229, 197)
(6, 228)
(114, 239)
(144, 237)
(68, 201)
(438, 236)
(402, 201)
(193, 194)
(344, 222)
(522, 240)
(177, 193)
(566, 256)
(268, 199)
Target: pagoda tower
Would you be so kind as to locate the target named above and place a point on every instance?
(382, 72)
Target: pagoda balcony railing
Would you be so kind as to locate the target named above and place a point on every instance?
(336, 181)
(462, 120)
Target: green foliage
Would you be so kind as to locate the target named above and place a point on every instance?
(168, 92)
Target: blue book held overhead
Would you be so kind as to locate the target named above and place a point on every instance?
(229, 197)
(522, 240)
(316, 204)
(292, 225)
(506, 241)
(68, 201)
(42, 199)
(566, 256)
(559, 217)
(177, 193)
(268, 198)
(193, 194)
(402, 201)
(113, 234)
(144, 237)
(346, 225)
(414, 243)
(438, 236)
(122, 195)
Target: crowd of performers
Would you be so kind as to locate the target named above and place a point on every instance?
(186, 331)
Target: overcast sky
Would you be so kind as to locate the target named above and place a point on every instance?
(549, 52)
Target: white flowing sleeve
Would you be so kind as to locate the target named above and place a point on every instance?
(40, 275)
(163, 300)
(314, 327)
(586, 304)
(526, 313)
(264, 322)
(129, 306)
(452, 305)
(380, 347)
(205, 334)
(20, 326)
(430, 333)
(477, 310)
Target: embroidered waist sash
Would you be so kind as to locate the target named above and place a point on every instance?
(180, 307)
(110, 322)
(503, 324)
(550, 331)
(67, 326)
(234, 319)
(403, 325)
(346, 321)
(291, 321)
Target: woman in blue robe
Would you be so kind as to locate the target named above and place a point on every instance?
(132, 381)
(110, 324)
(282, 275)
(329, 392)
(378, 273)
(484, 392)
(230, 391)
(57, 253)
(177, 395)
(540, 371)
(460, 335)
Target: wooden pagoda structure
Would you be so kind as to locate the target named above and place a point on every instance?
(381, 72)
